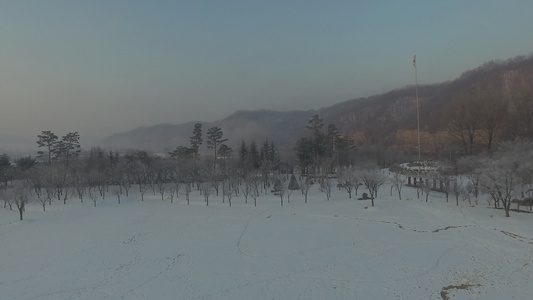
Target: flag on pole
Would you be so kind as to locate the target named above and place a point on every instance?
(414, 61)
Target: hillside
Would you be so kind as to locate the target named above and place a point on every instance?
(387, 119)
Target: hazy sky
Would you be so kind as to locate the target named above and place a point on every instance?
(101, 67)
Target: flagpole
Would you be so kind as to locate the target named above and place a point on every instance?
(417, 108)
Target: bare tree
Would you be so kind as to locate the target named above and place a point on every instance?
(21, 195)
(500, 180)
(471, 167)
(93, 195)
(246, 186)
(457, 189)
(373, 180)
(397, 181)
(347, 179)
(6, 195)
(426, 188)
(172, 191)
(188, 189)
(326, 185)
(522, 113)
(207, 189)
(162, 187)
(493, 111)
(228, 188)
(254, 189)
(36, 176)
(305, 184)
(117, 191)
(501, 174)
(280, 188)
(464, 124)
(255, 185)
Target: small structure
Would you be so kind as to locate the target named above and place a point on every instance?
(365, 197)
(523, 202)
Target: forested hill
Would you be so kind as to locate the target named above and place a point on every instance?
(498, 91)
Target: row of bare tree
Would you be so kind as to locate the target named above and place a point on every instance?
(499, 108)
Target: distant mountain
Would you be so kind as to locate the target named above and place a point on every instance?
(387, 119)
(278, 127)
(160, 137)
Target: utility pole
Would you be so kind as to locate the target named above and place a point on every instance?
(417, 108)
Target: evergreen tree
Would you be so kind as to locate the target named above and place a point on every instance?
(196, 139)
(5, 168)
(254, 156)
(25, 163)
(304, 152)
(48, 140)
(293, 183)
(243, 155)
(67, 147)
(214, 140)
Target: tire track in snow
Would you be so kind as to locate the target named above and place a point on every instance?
(239, 241)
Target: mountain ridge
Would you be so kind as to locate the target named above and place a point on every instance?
(376, 119)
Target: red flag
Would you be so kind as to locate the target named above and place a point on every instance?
(414, 61)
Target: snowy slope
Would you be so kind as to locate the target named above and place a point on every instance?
(337, 249)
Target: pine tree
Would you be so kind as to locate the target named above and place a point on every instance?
(254, 157)
(5, 168)
(293, 183)
(68, 146)
(214, 140)
(48, 140)
(243, 155)
(196, 139)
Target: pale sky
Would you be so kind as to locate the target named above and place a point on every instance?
(102, 66)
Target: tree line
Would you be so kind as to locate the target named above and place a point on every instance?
(61, 171)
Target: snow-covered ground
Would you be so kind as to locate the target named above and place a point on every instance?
(337, 249)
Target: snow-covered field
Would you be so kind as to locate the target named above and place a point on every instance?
(337, 249)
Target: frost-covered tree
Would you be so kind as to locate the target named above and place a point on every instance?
(206, 188)
(426, 188)
(500, 180)
(348, 180)
(305, 184)
(326, 186)
(280, 188)
(456, 188)
(21, 195)
(6, 195)
(501, 175)
(117, 191)
(93, 195)
(172, 192)
(228, 188)
(471, 167)
(373, 180)
(397, 180)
